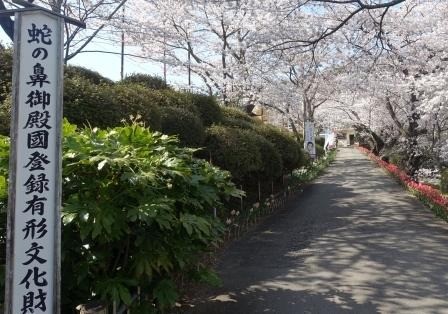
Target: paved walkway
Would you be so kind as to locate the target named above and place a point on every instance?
(353, 242)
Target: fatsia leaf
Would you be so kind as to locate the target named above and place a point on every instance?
(165, 293)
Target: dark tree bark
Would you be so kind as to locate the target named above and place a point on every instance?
(371, 139)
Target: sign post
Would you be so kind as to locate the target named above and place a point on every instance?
(308, 143)
(33, 236)
(33, 256)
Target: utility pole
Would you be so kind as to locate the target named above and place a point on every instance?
(189, 69)
(164, 58)
(122, 47)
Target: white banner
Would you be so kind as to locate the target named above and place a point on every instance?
(34, 209)
(308, 143)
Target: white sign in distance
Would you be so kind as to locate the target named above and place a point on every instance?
(33, 256)
(308, 143)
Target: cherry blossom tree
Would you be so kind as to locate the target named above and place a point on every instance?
(407, 83)
(97, 14)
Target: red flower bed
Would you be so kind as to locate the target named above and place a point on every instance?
(430, 193)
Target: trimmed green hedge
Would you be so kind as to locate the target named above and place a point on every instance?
(271, 160)
(185, 124)
(148, 81)
(5, 116)
(287, 146)
(107, 106)
(236, 113)
(208, 108)
(74, 71)
(5, 73)
(5, 89)
(236, 118)
(233, 149)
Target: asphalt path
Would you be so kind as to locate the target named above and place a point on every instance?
(353, 242)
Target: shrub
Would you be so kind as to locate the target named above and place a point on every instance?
(107, 106)
(151, 219)
(208, 108)
(398, 159)
(148, 81)
(172, 98)
(136, 100)
(4, 167)
(319, 150)
(5, 115)
(236, 113)
(286, 145)
(84, 102)
(320, 141)
(179, 121)
(5, 73)
(74, 71)
(136, 212)
(5, 89)
(444, 181)
(236, 118)
(233, 149)
(272, 165)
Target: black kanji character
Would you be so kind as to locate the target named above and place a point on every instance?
(40, 34)
(37, 280)
(41, 297)
(39, 184)
(38, 139)
(33, 253)
(38, 51)
(32, 229)
(39, 77)
(37, 205)
(37, 119)
(37, 97)
(37, 161)
(28, 303)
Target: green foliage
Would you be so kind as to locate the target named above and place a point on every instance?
(6, 56)
(320, 141)
(5, 115)
(5, 89)
(236, 113)
(107, 106)
(148, 81)
(313, 170)
(74, 71)
(188, 127)
(137, 210)
(209, 110)
(172, 98)
(287, 146)
(4, 167)
(234, 149)
(236, 118)
(397, 159)
(444, 181)
(272, 165)
(319, 150)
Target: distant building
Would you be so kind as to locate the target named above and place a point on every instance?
(346, 137)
